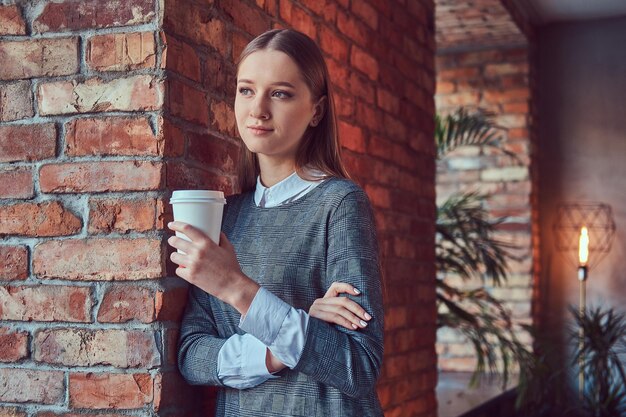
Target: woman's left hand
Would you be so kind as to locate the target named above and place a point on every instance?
(211, 267)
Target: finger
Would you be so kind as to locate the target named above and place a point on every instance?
(333, 318)
(342, 311)
(183, 273)
(188, 230)
(350, 305)
(178, 259)
(180, 243)
(337, 288)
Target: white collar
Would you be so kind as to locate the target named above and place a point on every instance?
(284, 191)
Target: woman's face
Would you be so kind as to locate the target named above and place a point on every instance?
(273, 105)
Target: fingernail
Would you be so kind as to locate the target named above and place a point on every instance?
(355, 326)
(356, 291)
(367, 316)
(363, 323)
(170, 224)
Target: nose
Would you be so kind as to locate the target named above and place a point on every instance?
(259, 108)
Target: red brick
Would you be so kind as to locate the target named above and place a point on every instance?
(213, 151)
(170, 304)
(13, 345)
(181, 176)
(11, 412)
(27, 142)
(27, 385)
(351, 27)
(84, 347)
(121, 51)
(364, 62)
(183, 59)
(332, 44)
(11, 20)
(223, 118)
(13, 263)
(361, 87)
(188, 102)
(344, 105)
(248, 18)
(99, 259)
(81, 414)
(16, 101)
(506, 96)
(38, 57)
(121, 304)
(171, 390)
(379, 196)
(92, 14)
(298, 18)
(327, 9)
(16, 183)
(351, 137)
(198, 23)
(123, 216)
(110, 136)
(387, 101)
(110, 391)
(366, 12)
(38, 219)
(45, 303)
(174, 139)
(100, 176)
(135, 93)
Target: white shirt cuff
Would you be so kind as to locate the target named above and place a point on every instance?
(241, 362)
(279, 326)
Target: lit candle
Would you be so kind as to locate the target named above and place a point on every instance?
(583, 247)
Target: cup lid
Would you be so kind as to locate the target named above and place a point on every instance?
(180, 196)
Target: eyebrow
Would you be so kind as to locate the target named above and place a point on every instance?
(277, 83)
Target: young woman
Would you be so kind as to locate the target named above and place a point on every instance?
(286, 312)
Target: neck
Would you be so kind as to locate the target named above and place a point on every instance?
(273, 172)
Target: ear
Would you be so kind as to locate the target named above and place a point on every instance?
(320, 110)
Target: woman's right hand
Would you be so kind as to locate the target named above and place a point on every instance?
(340, 310)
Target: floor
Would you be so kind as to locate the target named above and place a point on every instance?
(455, 397)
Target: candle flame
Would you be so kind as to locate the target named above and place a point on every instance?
(583, 247)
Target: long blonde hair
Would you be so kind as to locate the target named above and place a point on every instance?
(319, 148)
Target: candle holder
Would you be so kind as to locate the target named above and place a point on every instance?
(583, 229)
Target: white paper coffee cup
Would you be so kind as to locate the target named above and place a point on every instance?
(202, 209)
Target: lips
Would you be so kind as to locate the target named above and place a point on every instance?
(259, 130)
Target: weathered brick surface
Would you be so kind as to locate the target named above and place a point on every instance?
(83, 14)
(11, 20)
(13, 345)
(121, 304)
(38, 219)
(111, 136)
(16, 101)
(45, 303)
(27, 142)
(100, 176)
(27, 385)
(99, 259)
(16, 183)
(11, 412)
(135, 93)
(40, 57)
(80, 347)
(121, 51)
(110, 391)
(123, 216)
(13, 263)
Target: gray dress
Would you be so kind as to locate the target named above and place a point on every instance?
(296, 251)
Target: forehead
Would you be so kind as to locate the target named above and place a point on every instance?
(269, 66)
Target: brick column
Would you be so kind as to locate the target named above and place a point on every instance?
(116, 110)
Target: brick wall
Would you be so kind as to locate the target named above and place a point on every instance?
(497, 80)
(104, 110)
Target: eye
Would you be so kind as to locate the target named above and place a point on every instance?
(245, 91)
(281, 94)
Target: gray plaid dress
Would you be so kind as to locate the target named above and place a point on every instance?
(296, 251)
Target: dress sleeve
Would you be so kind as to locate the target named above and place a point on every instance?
(349, 360)
(199, 342)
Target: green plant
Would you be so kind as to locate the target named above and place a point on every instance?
(466, 246)
(548, 383)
